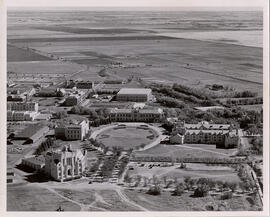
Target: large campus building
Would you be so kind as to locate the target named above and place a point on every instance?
(22, 106)
(222, 135)
(72, 131)
(21, 115)
(66, 164)
(136, 115)
(76, 98)
(32, 133)
(134, 94)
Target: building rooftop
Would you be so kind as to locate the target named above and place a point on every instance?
(208, 131)
(135, 91)
(142, 111)
(40, 160)
(30, 131)
(69, 121)
(206, 108)
(206, 125)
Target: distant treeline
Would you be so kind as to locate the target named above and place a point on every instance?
(245, 101)
(96, 117)
(177, 94)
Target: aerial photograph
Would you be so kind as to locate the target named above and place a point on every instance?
(135, 109)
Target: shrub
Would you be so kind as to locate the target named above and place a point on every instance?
(201, 191)
(154, 190)
(226, 196)
(179, 189)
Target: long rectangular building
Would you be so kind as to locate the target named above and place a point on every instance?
(134, 94)
(22, 106)
(205, 133)
(136, 115)
(21, 115)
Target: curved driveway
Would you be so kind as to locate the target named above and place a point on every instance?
(158, 130)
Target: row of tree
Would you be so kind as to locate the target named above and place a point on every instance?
(44, 146)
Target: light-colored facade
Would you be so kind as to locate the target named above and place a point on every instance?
(66, 164)
(136, 115)
(76, 98)
(22, 106)
(21, 115)
(204, 133)
(134, 94)
(72, 131)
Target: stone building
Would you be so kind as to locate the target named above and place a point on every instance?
(22, 106)
(72, 131)
(66, 164)
(222, 135)
(136, 115)
(21, 115)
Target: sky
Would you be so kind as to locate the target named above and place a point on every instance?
(134, 3)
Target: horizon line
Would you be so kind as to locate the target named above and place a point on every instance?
(197, 8)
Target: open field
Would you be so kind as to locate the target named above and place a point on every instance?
(15, 54)
(44, 67)
(167, 202)
(77, 30)
(30, 198)
(192, 62)
(181, 151)
(193, 170)
(128, 137)
(97, 200)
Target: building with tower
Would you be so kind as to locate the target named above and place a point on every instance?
(66, 164)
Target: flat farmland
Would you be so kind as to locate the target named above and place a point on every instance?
(192, 62)
(78, 30)
(15, 54)
(44, 67)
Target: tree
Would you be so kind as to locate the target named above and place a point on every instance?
(127, 178)
(201, 191)
(154, 190)
(179, 189)
(232, 186)
(165, 180)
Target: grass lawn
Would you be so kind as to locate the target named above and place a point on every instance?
(81, 196)
(31, 198)
(105, 199)
(193, 170)
(128, 137)
(180, 151)
(114, 201)
(167, 202)
(213, 148)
